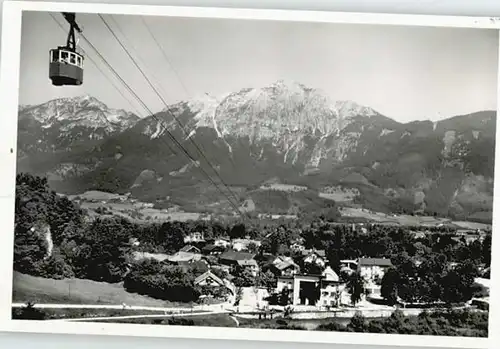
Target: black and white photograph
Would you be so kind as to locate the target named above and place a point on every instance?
(254, 174)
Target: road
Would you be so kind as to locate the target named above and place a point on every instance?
(168, 312)
(143, 316)
(197, 308)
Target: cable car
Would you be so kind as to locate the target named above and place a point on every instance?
(65, 63)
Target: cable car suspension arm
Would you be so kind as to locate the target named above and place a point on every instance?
(71, 41)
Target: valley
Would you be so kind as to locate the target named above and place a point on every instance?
(100, 204)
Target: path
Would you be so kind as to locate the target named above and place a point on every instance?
(141, 316)
(211, 307)
(235, 320)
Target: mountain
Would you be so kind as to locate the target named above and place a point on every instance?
(62, 125)
(285, 132)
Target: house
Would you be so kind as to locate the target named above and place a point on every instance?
(190, 248)
(160, 257)
(315, 257)
(330, 276)
(331, 289)
(231, 258)
(348, 265)
(244, 244)
(198, 267)
(222, 242)
(194, 237)
(315, 290)
(373, 269)
(303, 289)
(134, 242)
(296, 247)
(209, 280)
(266, 258)
(419, 235)
(250, 264)
(184, 257)
(212, 250)
(285, 266)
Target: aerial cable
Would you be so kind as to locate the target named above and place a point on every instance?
(173, 115)
(159, 121)
(155, 90)
(143, 104)
(165, 56)
(125, 84)
(133, 48)
(167, 107)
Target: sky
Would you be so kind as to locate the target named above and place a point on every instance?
(406, 73)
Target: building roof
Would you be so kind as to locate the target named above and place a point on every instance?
(211, 247)
(247, 262)
(184, 257)
(236, 256)
(282, 263)
(330, 275)
(320, 253)
(146, 255)
(207, 275)
(188, 248)
(199, 265)
(382, 262)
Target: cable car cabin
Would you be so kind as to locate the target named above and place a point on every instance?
(66, 67)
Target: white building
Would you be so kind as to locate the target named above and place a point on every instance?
(373, 269)
(315, 257)
(194, 237)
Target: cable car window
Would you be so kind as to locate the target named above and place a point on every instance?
(72, 58)
(64, 56)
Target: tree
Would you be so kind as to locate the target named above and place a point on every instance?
(237, 231)
(486, 250)
(389, 287)
(357, 323)
(29, 312)
(356, 287)
(458, 283)
(267, 280)
(284, 297)
(100, 252)
(243, 277)
(157, 280)
(312, 268)
(252, 247)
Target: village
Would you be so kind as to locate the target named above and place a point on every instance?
(314, 289)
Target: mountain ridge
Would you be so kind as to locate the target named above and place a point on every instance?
(286, 131)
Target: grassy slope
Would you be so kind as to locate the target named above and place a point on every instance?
(76, 291)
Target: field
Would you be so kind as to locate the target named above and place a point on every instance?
(283, 187)
(213, 320)
(382, 218)
(339, 194)
(471, 225)
(140, 212)
(391, 218)
(76, 291)
(136, 211)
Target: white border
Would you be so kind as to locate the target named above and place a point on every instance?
(9, 84)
